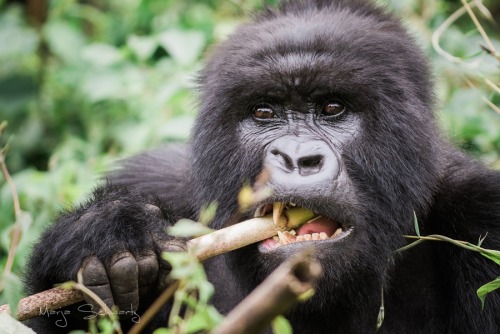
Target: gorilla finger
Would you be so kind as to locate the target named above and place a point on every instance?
(153, 209)
(96, 279)
(174, 245)
(123, 276)
(148, 267)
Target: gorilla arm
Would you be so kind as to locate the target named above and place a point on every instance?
(116, 237)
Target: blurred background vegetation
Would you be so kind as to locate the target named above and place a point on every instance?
(84, 83)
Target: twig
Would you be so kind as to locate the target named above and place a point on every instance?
(275, 296)
(80, 286)
(478, 25)
(436, 36)
(152, 310)
(52, 299)
(16, 232)
(491, 104)
(218, 242)
(438, 237)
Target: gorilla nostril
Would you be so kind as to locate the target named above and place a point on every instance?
(310, 162)
(284, 159)
(310, 165)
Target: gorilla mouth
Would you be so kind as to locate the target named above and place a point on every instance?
(299, 225)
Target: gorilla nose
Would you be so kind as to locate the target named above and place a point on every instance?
(309, 161)
(305, 165)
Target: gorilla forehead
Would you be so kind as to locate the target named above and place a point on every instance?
(338, 50)
(312, 31)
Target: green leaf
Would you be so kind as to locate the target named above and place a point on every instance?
(481, 240)
(306, 295)
(164, 331)
(487, 288)
(415, 223)
(491, 254)
(380, 317)
(188, 228)
(207, 214)
(205, 319)
(13, 290)
(101, 54)
(185, 47)
(64, 40)
(206, 290)
(281, 325)
(177, 128)
(25, 220)
(177, 259)
(142, 46)
(184, 266)
(102, 85)
(17, 38)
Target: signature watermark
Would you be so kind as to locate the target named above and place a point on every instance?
(87, 311)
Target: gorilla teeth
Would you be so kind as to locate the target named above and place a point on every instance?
(337, 233)
(288, 217)
(278, 217)
(263, 210)
(286, 238)
(289, 237)
(312, 237)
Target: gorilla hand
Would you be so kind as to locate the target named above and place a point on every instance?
(116, 239)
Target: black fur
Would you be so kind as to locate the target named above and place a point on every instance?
(393, 163)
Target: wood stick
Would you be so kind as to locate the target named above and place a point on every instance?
(206, 246)
(233, 237)
(273, 297)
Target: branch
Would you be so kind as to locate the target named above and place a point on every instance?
(275, 296)
(216, 243)
(16, 231)
(233, 237)
(52, 299)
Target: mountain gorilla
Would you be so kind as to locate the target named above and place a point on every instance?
(334, 100)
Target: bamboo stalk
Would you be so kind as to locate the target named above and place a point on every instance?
(206, 246)
(275, 296)
(233, 237)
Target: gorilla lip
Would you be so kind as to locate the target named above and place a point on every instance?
(313, 227)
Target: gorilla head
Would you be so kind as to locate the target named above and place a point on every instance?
(334, 99)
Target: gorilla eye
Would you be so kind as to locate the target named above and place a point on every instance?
(333, 109)
(263, 112)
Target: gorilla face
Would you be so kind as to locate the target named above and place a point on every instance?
(336, 105)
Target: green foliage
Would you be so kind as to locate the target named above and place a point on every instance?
(96, 83)
(493, 255)
(188, 228)
(280, 325)
(13, 288)
(484, 290)
(415, 224)
(191, 311)
(102, 80)
(487, 288)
